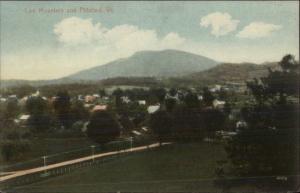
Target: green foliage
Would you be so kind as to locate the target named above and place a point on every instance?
(188, 124)
(159, 93)
(78, 112)
(14, 149)
(268, 144)
(208, 97)
(12, 109)
(161, 124)
(14, 142)
(40, 119)
(62, 106)
(170, 104)
(191, 100)
(36, 105)
(103, 127)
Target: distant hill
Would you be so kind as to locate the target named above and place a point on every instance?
(159, 68)
(232, 72)
(166, 63)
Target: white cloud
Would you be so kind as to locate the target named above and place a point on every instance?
(172, 40)
(75, 30)
(85, 44)
(90, 43)
(220, 23)
(258, 30)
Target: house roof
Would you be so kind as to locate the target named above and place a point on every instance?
(99, 108)
(24, 117)
(153, 108)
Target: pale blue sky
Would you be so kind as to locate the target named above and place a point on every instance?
(39, 42)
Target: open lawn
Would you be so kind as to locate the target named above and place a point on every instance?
(55, 148)
(176, 167)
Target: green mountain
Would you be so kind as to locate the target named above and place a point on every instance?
(166, 63)
(232, 72)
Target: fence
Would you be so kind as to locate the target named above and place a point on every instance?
(59, 164)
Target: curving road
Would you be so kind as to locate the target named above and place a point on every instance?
(74, 161)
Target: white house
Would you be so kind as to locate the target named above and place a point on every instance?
(226, 134)
(218, 104)
(240, 124)
(96, 95)
(153, 108)
(23, 119)
(200, 97)
(142, 102)
(125, 99)
(36, 94)
(99, 108)
(144, 129)
(2, 99)
(216, 88)
(136, 132)
(84, 128)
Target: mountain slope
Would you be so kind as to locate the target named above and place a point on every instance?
(164, 63)
(232, 72)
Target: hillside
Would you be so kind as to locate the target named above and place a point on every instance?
(166, 63)
(232, 72)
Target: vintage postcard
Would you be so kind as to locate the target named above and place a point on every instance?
(149, 96)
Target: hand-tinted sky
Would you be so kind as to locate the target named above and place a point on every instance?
(40, 45)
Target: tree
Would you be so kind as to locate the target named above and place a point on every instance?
(161, 125)
(267, 145)
(77, 111)
(39, 119)
(170, 103)
(173, 91)
(103, 127)
(159, 93)
(12, 109)
(102, 92)
(191, 100)
(213, 120)
(14, 142)
(62, 107)
(187, 124)
(208, 97)
(118, 93)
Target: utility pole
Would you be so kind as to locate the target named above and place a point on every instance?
(131, 143)
(45, 163)
(93, 152)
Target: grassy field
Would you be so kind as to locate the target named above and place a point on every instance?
(49, 146)
(177, 167)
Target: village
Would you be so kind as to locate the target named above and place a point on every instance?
(103, 102)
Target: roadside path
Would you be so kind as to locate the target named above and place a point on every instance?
(74, 161)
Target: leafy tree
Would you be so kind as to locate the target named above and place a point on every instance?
(14, 142)
(118, 93)
(102, 92)
(173, 92)
(77, 111)
(191, 100)
(187, 124)
(170, 103)
(268, 144)
(159, 93)
(12, 109)
(36, 105)
(161, 125)
(208, 97)
(62, 106)
(213, 120)
(103, 127)
(126, 123)
(39, 119)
